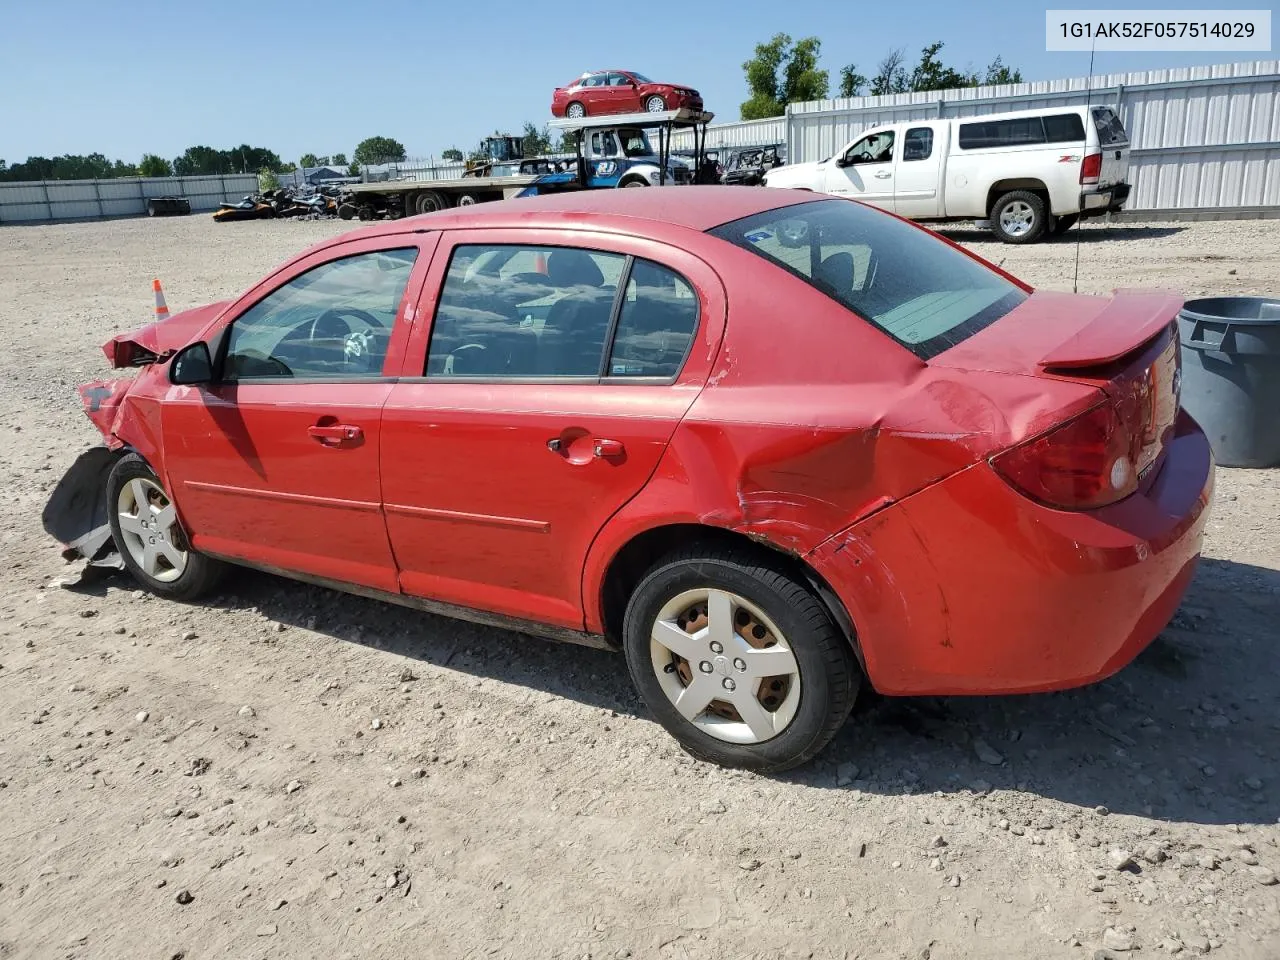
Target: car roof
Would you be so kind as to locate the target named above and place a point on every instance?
(694, 207)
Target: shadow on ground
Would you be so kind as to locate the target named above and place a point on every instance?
(1100, 234)
(1188, 732)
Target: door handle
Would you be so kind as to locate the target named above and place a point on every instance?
(603, 449)
(334, 434)
(883, 175)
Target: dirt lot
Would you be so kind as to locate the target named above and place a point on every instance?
(287, 772)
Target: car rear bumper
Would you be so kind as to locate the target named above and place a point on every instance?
(1102, 200)
(969, 587)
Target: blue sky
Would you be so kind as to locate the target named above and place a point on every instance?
(319, 76)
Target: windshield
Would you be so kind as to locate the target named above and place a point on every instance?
(634, 142)
(921, 291)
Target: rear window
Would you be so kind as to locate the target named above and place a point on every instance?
(1110, 129)
(922, 292)
(1049, 128)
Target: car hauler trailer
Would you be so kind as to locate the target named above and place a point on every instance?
(612, 151)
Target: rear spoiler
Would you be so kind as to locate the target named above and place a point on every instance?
(1129, 321)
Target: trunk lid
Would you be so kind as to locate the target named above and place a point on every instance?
(1126, 346)
(157, 340)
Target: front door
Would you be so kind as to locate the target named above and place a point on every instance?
(865, 170)
(917, 182)
(549, 387)
(276, 463)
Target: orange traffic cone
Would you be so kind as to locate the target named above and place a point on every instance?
(162, 310)
(540, 264)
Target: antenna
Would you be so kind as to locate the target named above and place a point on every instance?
(1088, 102)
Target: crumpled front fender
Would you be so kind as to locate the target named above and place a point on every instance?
(102, 399)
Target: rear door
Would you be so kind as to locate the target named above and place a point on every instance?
(917, 191)
(1113, 141)
(865, 170)
(555, 371)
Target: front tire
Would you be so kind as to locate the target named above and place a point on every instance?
(655, 104)
(154, 547)
(739, 661)
(1019, 216)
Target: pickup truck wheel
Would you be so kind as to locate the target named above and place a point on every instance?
(1064, 223)
(738, 660)
(575, 111)
(1019, 216)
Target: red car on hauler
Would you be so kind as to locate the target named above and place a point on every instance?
(771, 446)
(621, 91)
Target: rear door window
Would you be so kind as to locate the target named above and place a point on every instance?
(918, 144)
(1001, 133)
(914, 287)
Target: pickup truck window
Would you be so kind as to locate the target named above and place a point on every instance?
(876, 148)
(919, 290)
(1050, 128)
(1110, 129)
(918, 144)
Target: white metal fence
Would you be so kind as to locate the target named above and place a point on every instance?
(52, 200)
(1203, 138)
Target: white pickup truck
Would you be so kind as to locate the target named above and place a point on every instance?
(1024, 174)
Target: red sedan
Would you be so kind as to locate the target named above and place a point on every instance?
(770, 446)
(620, 91)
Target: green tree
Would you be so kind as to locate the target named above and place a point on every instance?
(891, 76)
(453, 154)
(268, 180)
(997, 72)
(309, 160)
(339, 159)
(154, 166)
(379, 150)
(932, 74)
(851, 81)
(780, 73)
(537, 142)
(353, 170)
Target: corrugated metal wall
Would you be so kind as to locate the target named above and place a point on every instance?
(51, 200)
(743, 133)
(1203, 137)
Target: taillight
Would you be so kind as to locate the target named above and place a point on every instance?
(1085, 463)
(1091, 168)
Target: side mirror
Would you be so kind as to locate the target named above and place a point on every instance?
(843, 160)
(191, 365)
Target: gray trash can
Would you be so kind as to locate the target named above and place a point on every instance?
(1231, 376)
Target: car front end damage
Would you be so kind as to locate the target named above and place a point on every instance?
(126, 412)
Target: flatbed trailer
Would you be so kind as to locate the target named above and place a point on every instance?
(590, 171)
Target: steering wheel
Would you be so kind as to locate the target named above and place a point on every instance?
(325, 326)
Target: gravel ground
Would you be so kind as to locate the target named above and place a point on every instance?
(289, 772)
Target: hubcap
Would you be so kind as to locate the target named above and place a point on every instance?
(150, 531)
(1017, 218)
(725, 666)
(656, 105)
(576, 110)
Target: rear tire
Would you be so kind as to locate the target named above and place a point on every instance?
(346, 211)
(155, 549)
(765, 621)
(1019, 216)
(575, 111)
(365, 213)
(430, 201)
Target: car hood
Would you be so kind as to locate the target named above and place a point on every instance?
(157, 340)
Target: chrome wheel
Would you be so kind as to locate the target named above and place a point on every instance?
(655, 105)
(1017, 218)
(575, 111)
(150, 531)
(725, 666)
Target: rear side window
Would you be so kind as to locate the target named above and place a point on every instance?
(1050, 128)
(916, 288)
(918, 144)
(1063, 128)
(510, 311)
(1110, 129)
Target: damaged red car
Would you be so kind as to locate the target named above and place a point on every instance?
(773, 447)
